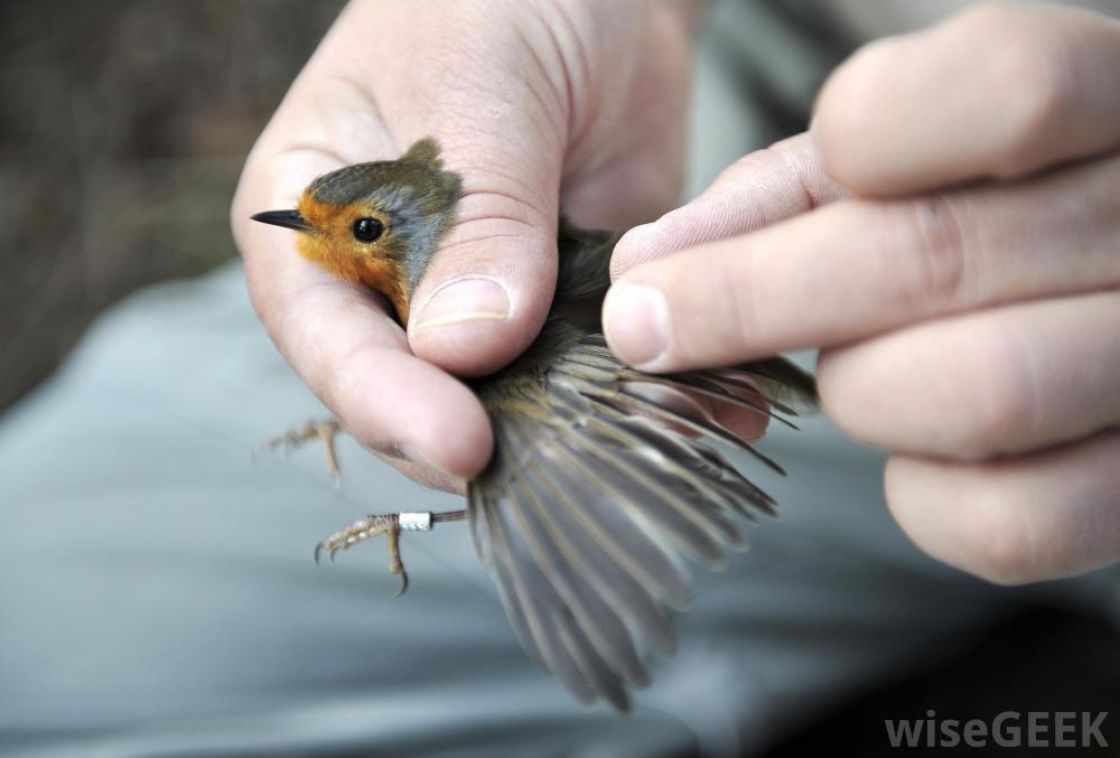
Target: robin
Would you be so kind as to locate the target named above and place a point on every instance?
(599, 482)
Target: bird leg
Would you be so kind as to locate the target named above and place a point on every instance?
(391, 525)
(326, 431)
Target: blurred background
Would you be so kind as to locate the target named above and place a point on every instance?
(123, 129)
(122, 132)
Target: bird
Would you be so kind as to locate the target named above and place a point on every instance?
(603, 484)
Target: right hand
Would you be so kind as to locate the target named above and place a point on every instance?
(538, 104)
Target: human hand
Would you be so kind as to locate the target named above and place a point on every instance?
(962, 280)
(534, 102)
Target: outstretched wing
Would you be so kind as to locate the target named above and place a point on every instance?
(598, 489)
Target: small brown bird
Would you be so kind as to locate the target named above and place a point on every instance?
(600, 481)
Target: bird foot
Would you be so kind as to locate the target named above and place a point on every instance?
(391, 525)
(325, 431)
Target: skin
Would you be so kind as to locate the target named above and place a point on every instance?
(978, 155)
(543, 103)
(959, 268)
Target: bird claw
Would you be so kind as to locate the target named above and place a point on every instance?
(325, 431)
(391, 525)
(362, 530)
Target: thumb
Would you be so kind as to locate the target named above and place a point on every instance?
(487, 291)
(759, 189)
(499, 105)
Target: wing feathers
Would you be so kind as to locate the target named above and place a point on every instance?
(594, 496)
(605, 630)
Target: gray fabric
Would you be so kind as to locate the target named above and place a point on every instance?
(158, 591)
(757, 69)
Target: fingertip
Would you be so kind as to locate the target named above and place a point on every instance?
(745, 423)
(959, 516)
(847, 118)
(994, 91)
(458, 444)
(1010, 521)
(634, 247)
(693, 223)
(395, 402)
(907, 486)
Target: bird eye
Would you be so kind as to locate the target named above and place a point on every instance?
(368, 229)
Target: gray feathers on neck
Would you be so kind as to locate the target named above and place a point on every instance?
(414, 191)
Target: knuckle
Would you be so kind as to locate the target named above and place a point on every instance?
(1028, 70)
(1000, 403)
(849, 110)
(997, 544)
(499, 246)
(933, 235)
(981, 531)
(498, 189)
(1035, 115)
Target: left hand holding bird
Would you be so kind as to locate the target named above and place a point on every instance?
(963, 280)
(590, 118)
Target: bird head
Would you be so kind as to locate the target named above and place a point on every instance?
(378, 223)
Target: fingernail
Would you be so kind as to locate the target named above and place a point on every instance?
(465, 300)
(636, 322)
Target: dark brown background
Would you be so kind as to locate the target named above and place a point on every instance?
(123, 127)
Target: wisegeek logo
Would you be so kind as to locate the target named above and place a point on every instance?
(1008, 729)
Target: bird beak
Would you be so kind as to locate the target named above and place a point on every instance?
(286, 219)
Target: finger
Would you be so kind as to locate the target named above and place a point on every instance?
(996, 91)
(856, 268)
(761, 188)
(970, 387)
(485, 295)
(1042, 516)
(341, 343)
(745, 422)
